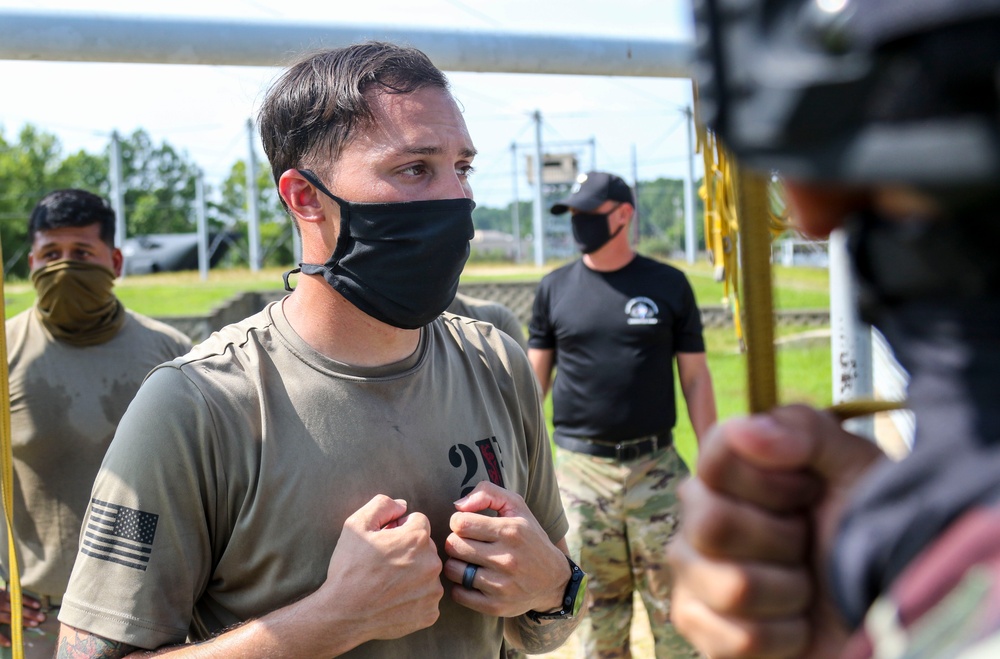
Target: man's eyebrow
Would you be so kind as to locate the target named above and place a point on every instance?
(434, 150)
(55, 243)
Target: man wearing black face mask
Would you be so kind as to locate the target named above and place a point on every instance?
(349, 471)
(614, 322)
(76, 359)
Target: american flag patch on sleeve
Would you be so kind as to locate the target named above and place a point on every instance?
(118, 534)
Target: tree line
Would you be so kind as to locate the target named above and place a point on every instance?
(159, 194)
(660, 216)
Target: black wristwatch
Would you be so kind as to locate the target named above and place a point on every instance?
(573, 597)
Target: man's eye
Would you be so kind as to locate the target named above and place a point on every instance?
(466, 170)
(415, 170)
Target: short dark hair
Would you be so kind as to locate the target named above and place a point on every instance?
(314, 108)
(73, 208)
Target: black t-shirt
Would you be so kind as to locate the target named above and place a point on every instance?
(615, 335)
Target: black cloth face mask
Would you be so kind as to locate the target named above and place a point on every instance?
(590, 230)
(397, 262)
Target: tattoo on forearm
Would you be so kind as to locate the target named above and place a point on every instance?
(539, 638)
(88, 646)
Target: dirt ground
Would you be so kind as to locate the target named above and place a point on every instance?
(642, 639)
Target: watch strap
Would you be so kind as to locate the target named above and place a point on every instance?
(569, 608)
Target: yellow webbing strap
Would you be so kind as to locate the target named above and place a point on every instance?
(760, 223)
(7, 485)
(747, 207)
(721, 226)
(755, 248)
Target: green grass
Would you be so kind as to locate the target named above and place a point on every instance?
(804, 376)
(184, 294)
(794, 288)
(169, 293)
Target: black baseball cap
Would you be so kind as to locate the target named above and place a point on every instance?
(593, 189)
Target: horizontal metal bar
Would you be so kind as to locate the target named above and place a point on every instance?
(104, 37)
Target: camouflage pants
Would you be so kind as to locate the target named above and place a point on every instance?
(621, 515)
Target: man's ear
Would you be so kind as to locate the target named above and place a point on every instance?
(300, 196)
(117, 261)
(628, 211)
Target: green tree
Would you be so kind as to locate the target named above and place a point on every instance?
(159, 184)
(275, 225)
(501, 219)
(661, 216)
(86, 171)
(30, 168)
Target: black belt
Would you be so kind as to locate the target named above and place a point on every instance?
(621, 451)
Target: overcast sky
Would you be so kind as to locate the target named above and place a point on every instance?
(203, 109)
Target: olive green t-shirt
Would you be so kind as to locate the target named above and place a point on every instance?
(65, 403)
(225, 490)
(491, 312)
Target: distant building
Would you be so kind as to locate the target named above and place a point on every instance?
(797, 251)
(492, 242)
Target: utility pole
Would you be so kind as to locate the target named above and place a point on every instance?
(537, 210)
(636, 229)
(689, 232)
(117, 191)
(253, 213)
(202, 224)
(515, 211)
(850, 339)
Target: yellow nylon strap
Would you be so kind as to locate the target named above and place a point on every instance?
(759, 222)
(755, 249)
(719, 198)
(7, 486)
(748, 208)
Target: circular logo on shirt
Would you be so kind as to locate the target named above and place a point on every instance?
(641, 311)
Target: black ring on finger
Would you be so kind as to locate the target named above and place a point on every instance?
(469, 576)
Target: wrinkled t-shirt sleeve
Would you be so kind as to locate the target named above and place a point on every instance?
(540, 333)
(509, 324)
(542, 493)
(145, 555)
(688, 330)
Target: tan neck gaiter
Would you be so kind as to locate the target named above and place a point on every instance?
(75, 302)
